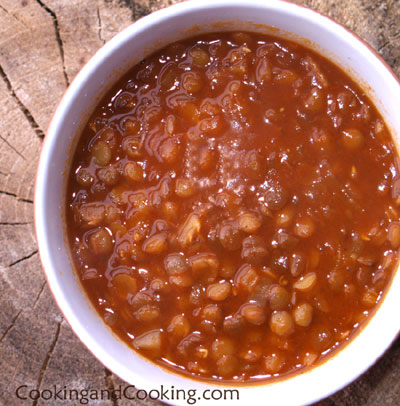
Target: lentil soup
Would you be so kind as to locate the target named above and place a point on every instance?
(233, 207)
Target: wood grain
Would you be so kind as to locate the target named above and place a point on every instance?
(43, 45)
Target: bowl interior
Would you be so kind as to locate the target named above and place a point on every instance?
(115, 58)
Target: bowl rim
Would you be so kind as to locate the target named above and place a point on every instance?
(53, 132)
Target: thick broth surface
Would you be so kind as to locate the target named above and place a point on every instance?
(233, 207)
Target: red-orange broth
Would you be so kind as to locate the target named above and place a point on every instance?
(233, 207)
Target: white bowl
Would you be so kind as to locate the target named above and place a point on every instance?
(115, 58)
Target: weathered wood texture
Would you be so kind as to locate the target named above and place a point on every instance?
(43, 44)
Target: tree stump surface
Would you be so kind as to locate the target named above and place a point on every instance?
(43, 45)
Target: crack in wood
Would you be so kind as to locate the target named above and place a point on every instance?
(25, 200)
(38, 296)
(3, 192)
(39, 132)
(18, 314)
(23, 258)
(10, 326)
(46, 360)
(110, 386)
(16, 223)
(20, 199)
(12, 147)
(58, 37)
(99, 23)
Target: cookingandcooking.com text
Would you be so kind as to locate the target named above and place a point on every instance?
(84, 396)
